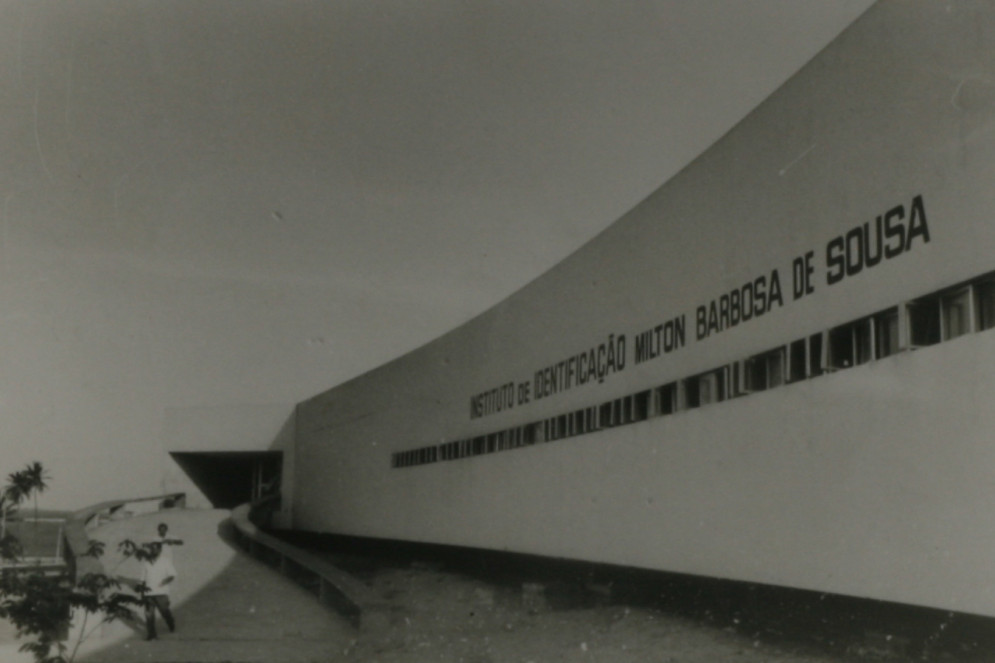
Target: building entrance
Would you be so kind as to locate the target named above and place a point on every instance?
(230, 478)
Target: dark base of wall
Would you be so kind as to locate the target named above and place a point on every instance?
(825, 620)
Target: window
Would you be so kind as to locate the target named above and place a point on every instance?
(840, 349)
(955, 313)
(541, 431)
(924, 321)
(796, 361)
(985, 298)
(755, 374)
(641, 405)
(692, 394)
(886, 333)
(775, 368)
(715, 382)
(850, 344)
(625, 405)
(764, 371)
(863, 345)
(736, 381)
(816, 355)
(666, 397)
(579, 422)
(591, 417)
(705, 388)
(414, 457)
(607, 418)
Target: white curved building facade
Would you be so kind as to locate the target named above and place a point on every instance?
(778, 368)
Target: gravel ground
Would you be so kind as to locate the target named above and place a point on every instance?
(438, 614)
(443, 617)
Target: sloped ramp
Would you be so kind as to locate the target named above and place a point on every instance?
(228, 606)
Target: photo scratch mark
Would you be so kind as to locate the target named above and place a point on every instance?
(796, 160)
(977, 81)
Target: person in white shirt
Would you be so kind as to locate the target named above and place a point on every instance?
(167, 542)
(158, 575)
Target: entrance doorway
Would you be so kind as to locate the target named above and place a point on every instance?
(230, 478)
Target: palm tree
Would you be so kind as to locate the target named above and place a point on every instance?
(27, 482)
(6, 497)
(35, 481)
(12, 496)
(35, 478)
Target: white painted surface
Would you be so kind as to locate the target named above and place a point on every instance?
(873, 481)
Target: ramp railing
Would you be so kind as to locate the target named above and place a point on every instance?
(333, 587)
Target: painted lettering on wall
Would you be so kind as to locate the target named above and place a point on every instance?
(891, 234)
(592, 365)
(752, 300)
(492, 401)
(660, 340)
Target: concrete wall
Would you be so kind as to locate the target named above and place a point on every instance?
(870, 481)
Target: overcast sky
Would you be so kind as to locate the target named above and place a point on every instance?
(240, 201)
(439, 153)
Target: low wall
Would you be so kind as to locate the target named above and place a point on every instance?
(333, 586)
